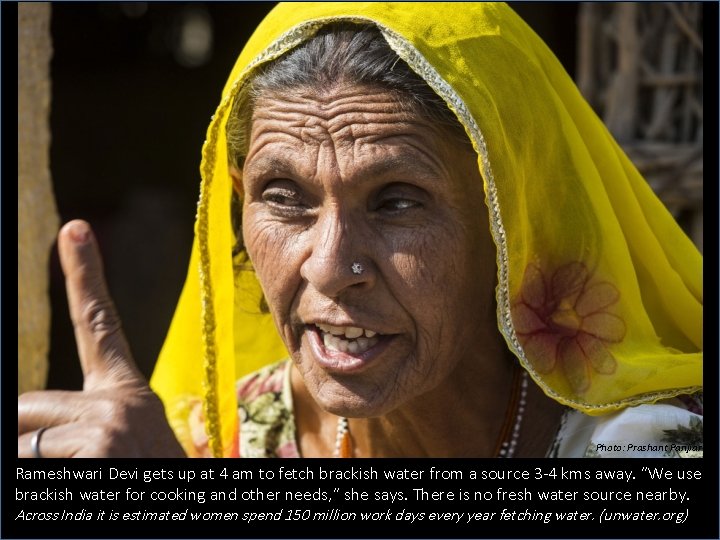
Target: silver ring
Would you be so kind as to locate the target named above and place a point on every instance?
(35, 443)
(357, 268)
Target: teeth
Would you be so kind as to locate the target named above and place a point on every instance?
(357, 346)
(350, 332)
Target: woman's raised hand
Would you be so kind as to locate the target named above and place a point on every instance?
(116, 414)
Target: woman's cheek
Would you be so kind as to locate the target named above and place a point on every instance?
(427, 258)
(433, 269)
(273, 250)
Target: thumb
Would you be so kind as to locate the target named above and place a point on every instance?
(104, 352)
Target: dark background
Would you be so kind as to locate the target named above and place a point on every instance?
(133, 89)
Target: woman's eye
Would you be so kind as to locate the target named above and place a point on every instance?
(281, 199)
(283, 196)
(399, 205)
(400, 199)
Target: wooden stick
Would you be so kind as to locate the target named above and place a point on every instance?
(683, 25)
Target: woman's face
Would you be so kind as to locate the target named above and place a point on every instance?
(368, 233)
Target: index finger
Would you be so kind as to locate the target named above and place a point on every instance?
(104, 352)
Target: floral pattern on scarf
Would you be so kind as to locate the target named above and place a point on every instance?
(564, 321)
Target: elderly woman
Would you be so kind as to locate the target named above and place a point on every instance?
(415, 203)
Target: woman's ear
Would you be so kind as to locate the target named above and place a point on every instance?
(236, 175)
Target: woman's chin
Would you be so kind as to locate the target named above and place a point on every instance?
(347, 384)
(351, 396)
(352, 405)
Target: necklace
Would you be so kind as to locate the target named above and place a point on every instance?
(343, 444)
(509, 433)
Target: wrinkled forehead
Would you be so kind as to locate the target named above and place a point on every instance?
(351, 57)
(354, 120)
(347, 111)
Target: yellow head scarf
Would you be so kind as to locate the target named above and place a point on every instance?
(599, 292)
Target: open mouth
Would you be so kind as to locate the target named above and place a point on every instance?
(348, 339)
(345, 348)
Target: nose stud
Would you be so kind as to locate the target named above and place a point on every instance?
(357, 268)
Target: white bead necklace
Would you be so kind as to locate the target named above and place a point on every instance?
(507, 448)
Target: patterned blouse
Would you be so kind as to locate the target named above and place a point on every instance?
(671, 428)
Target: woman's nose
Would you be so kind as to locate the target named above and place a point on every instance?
(337, 261)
